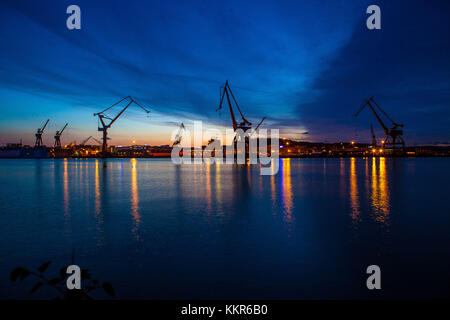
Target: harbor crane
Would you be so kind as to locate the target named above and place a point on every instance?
(105, 126)
(38, 135)
(88, 138)
(179, 135)
(374, 139)
(260, 123)
(394, 134)
(58, 137)
(244, 124)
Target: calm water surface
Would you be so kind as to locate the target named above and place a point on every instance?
(158, 230)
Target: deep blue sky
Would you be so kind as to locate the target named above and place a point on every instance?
(306, 65)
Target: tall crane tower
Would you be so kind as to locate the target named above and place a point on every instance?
(38, 135)
(226, 91)
(394, 134)
(105, 126)
(58, 136)
(179, 135)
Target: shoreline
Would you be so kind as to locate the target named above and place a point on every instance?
(281, 157)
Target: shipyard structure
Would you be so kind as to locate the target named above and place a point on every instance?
(391, 144)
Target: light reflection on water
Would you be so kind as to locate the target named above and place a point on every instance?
(66, 189)
(377, 191)
(354, 198)
(286, 187)
(209, 176)
(380, 193)
(134, 198)
(273, 194)
(97, 190)
(224, 225)
(208, 179)
(66, 198)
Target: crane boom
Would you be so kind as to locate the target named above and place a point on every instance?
(111, 106)
(244, 124)
(96, 140)
(45, 125)
(101, 116)
(88, 138)
(393, 122)
(38, 135)
(367, 103)
(260, 123)
(225, 92)
(178, 137)
(237, 105)
(393, 134)
(85, 140)
(58, 137)
(62, 130)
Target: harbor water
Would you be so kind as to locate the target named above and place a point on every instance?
(156, 230)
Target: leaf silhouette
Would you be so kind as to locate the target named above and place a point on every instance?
(20, 273)
(36, 286)
(108, 289)
(15, 274)
(44, 266)
(25, 273)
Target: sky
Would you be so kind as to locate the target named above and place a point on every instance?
(304, 65)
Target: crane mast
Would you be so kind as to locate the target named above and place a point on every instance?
(105, 126)
(394, 134)
(179, 135)
(38, 135)
(226, 91)
(58, 137)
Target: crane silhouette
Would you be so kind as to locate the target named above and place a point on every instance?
(226, 91)
(179, 135)
(394, 134)
(374, 139)
(58, 137)
(88, 138)
(38, 135)
(105, 126)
